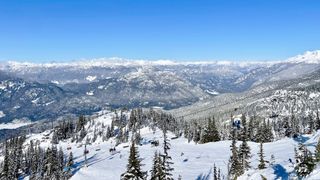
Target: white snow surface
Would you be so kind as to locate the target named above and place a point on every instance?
(91, 78)
(196, 162)
(15, 124)
(90, 93)
(309, 57)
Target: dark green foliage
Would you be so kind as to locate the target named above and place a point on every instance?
(134, 171)
(235, 168)
(262, 164)
(166, 161)
(210, 132)
(157, 171)
(244, 150)
(304, 161)
(317, 152)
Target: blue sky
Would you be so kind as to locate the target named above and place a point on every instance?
(62, 30)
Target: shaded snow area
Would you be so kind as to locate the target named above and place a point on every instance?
(2, 114)
(14, 124)
(212, 92)
(191, 161)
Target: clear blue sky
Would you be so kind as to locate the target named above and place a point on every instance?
(61, 30)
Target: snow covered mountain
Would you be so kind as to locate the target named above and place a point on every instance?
(310, 57)
(41, 91)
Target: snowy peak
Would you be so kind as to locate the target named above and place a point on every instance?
(309, 57)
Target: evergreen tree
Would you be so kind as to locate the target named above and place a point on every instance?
(157, 172)
(215, 173)
(251, 129)
(210, 132)
(235, 168)
(81, 122)
(317, 120)
(305, 163)
(317, 152)
(70, 162)
(244, 151)
(196, 133)
(5, 168)
(166, 157)
(262, 164)
(60, 160)
(134, 171)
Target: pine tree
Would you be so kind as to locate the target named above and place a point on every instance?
(166, 157)
(60, 159)
(305, 163)
(134, 171)
(69, 165)
(251, 129)
(287, 128)
(5, 168)
(215, 174)
(244, 151)
(262, 164)
(268, 132)
(317, 152)
(210, 132)
(157, 172)
(310, 124)
(235, 168)
(196, 133)
(317, 120)
(81, 122)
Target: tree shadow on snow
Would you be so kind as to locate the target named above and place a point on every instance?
(280, 172)
(301, 139)
(78, 165)
(204, 176)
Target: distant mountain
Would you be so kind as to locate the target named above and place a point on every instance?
(32, 100)
(41, 91)
(273, 98)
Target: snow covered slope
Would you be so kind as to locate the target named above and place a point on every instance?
(191, 161)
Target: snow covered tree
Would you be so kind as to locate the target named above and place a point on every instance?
(304, 161)
(157, 171)
(317, 120)
(5, 168)
(286, 127)
(196, 133)
(134, 171)
(251, 129)
(81, 122)
(317, 152)
(210, 132)
(244, 150)
(60, 160)
(215, 173)
(69, 164)
(166, 157)
(262, 164)
(235, 168)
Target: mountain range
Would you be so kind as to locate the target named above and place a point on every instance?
(32, 91)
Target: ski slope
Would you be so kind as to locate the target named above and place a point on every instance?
(191, 161)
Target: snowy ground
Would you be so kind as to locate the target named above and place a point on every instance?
(14, 124)
(196, 161)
